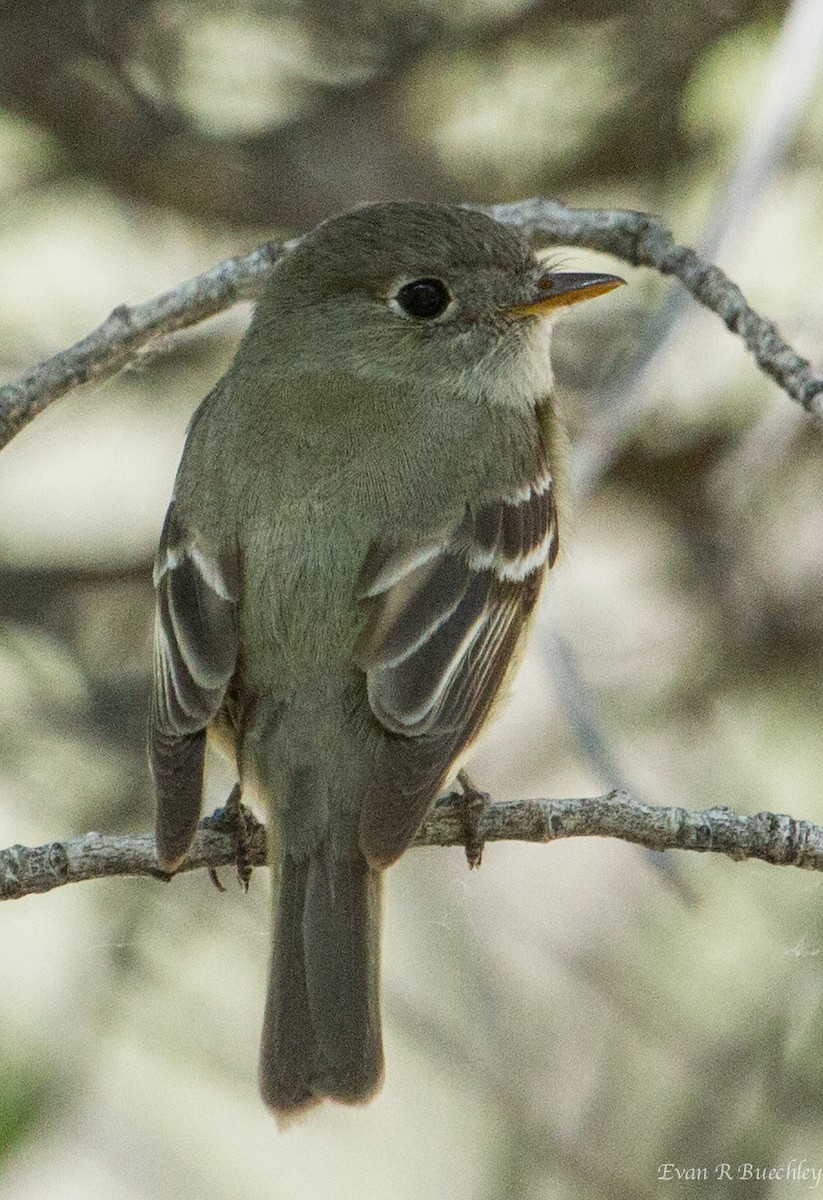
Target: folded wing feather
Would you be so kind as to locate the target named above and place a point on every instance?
(445, 616)
(195, 651)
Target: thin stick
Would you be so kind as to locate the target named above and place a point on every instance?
(634, 237)
(772, 838)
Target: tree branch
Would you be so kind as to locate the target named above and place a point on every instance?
(636, 238)
(772, 838)
(126, 332)
(644, 241)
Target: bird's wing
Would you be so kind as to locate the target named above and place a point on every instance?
(195, 650)
(445, 616)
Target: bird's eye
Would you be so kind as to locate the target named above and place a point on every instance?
(424, 299)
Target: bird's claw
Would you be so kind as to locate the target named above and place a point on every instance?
(474, 805)
(239, 822)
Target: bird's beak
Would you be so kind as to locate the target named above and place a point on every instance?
(559, 289)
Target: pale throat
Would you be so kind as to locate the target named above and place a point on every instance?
(521, 380)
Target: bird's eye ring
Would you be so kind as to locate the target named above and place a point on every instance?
(423, 299)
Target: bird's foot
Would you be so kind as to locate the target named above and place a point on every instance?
(239, 822)
(474, 805)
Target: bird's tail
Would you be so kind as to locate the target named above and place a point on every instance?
(321, 1034)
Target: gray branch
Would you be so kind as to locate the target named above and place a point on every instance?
(772, 838)
(126, 333)
(644, 241)
(636, 238)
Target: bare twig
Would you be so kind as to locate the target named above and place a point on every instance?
(772, 838)
(644, 241)
(127, 331)
(635, 237)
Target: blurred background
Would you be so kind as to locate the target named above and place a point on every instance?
(567, 1019)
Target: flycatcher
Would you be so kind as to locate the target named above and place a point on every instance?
(361, 522)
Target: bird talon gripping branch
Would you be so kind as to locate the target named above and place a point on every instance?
(474, 808)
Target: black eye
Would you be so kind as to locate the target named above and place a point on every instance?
(424, 298)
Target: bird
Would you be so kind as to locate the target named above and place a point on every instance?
(363, 515)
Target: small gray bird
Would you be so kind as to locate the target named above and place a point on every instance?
(361, 522)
